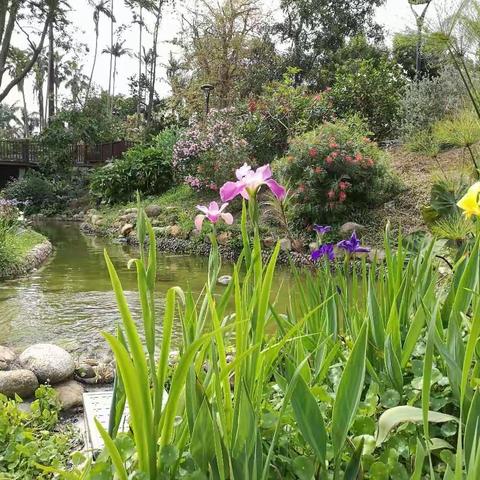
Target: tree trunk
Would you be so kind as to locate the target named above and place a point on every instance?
(51, 76)
(111, 60)
(139, 101)
(153, 67)
(26, 131)
(40, 106)
(113, 80)
(5, 43)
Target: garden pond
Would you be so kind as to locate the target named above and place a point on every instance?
(69, 301)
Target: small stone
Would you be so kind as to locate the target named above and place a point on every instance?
(224, 279)
(7, 357)
(50, 363)
(174, 231)
(126, 229)
(269, 242)
(96, 220)
(18, 382)
(153, 211)
(128, 211)
(348, 228)
(69, 394)
(85, 371)
(312, 246)
(224, 237)
(285, 244)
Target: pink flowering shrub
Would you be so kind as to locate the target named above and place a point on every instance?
(208, 152)
(332, 170)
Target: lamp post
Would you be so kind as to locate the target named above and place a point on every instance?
(207, 90)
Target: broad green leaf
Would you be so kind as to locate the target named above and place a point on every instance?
(403, 414)
(202, 446)
(309, 419)
(349, 392)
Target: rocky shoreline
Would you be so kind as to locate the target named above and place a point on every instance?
(48, 364)
(31, 261)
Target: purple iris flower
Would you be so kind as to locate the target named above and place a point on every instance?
(352, 245)
(322, 229)
(325, 250)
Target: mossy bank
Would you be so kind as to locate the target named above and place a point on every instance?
(23, 251)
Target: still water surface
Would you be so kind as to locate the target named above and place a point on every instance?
(69, 301)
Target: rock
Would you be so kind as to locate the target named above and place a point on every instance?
(285, 244)
(7, 357)
(84, 371)
(18, 382)
(174, 231)
(127, 218)
(128, 211)
(69, 394)
(224, 279)
(224, 237)
(348, 228)
(269, 242)
(126, 229)
(96, 220)
(153, 211)
(50, 363)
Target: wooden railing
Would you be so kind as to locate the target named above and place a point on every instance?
(30, 152)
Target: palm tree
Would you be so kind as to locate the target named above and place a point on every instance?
(115, 51)
(18, 59)
(98, 8)
(40, 71)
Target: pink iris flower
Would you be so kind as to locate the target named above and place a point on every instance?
(213, 213)
(249, 181)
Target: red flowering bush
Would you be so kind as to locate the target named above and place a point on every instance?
(332, 170)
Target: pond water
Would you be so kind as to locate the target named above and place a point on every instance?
(69, 301)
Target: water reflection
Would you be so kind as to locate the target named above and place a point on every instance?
(70, 301)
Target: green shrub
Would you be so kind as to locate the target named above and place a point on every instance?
(283, 110)
(146, 169)
(429, 100)
(332, 170)
(372, 89)
(29, 440)
(38, 193)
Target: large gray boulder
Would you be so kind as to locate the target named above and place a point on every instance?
(69, 394)
(50, 363)
(18, 382)
(7, 358)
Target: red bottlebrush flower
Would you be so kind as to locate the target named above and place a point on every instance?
(342, 196)
(349, 159)
(318, 170)
(317, 98)
(301, 187)
(333, 145)
(370, 162)
(343, 185)
(329, 160)
(358, 157)
(252, 106)
(312, 152)
(334, 154)
(331, 194)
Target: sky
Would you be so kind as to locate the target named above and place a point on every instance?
(395, 15)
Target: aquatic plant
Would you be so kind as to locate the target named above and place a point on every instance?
(370, 372)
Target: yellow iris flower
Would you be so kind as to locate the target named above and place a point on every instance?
(470, 202)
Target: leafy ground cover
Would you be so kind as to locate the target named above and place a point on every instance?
(31, 438)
